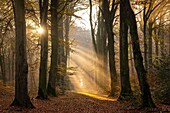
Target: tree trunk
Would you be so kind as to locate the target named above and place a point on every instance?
(145, 44)
(113, 74)
(169, 41)
(2, 64)
(156, 46)
(150, 45)
(54, 52)
(109, 28)
(144, 36)
(92, 29)
(42, 89)
(9, 65)
(131, 61)
(144, 87)
(105, 49)
(13, 66)
(126, 91)
(21, 78)
(61, 56)
(2, 59)
(67, 29)
(162, 43)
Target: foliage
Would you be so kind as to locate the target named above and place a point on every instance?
(76, 103)
(160, 80)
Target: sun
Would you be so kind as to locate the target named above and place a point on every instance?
(40, 30)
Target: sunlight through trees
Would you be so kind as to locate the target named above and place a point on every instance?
(55, 49)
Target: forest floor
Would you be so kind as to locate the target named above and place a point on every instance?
(75, 102)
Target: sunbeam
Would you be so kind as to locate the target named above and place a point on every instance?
(90, 77)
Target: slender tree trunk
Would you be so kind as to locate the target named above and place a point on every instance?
(2, 64)
(2, 60)
(145, 19)
(150, 45)
(156, 46)
(1, 54)
(9, 65)
(42, 89)
(131, 60)
(162, 43)
(100, 55)
(144, 86)
(13, 66)
(145, 44)
(109, 28)
(67, 29)
(105, 49)
(92, 29)
(169, 41)
(126, 91)
(54, 53)
(61, 60)
(113, 74)
(21, 68)
(13, 52)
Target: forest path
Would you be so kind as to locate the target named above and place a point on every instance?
(74, 102)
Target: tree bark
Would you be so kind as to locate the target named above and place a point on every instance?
(126, 91)
(150, 29)
(42, 90)
(169, 41)
(144, 86)
(54, 52)
(144, 35)
(62, 57)
(162, 43)
(92, 29)
(156, 46)
(131, 60)
(2, 59)
(108, 16)
(67, 46)
(2, 64)
(145, 44)
(21, 68)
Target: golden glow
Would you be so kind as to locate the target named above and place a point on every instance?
(40, 30)
(89, 76)
(97, 96)
(81, 82)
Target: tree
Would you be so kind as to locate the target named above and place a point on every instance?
(157, 24)
(144, 86)
(126, 90)
(150, 29)
(42, 89)
(61, 55)
(147, 11)
(169, 41)
(21, 88)
(109, 16)
(69, 8)
(99, 37)
(6, 42)
(156, 45)
(2, 63)
(51, 89)
(92, 29)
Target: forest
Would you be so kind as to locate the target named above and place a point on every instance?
(89, 56)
